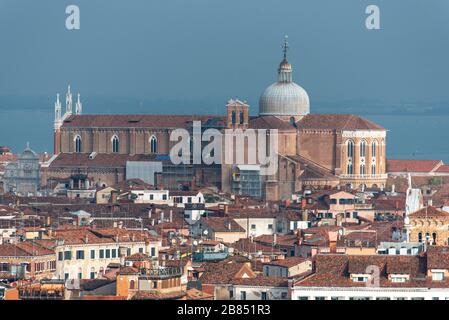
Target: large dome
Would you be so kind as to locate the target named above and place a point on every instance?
(284, 98)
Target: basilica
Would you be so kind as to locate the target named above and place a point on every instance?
(314, 150)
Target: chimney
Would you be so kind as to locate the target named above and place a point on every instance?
(229, 225)
(303, 202)
(171, 215)
(429, 202)
(152, 222)
(149, 213)
(86, 239)
(48, 221)
(226, 208)
(120, 224)
(162, 216)
(393, 188)
(275, 239)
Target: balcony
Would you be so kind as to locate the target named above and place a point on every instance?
(209, 256)
(161, 273)
(364, 176)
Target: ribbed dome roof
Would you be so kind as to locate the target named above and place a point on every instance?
(284, 99)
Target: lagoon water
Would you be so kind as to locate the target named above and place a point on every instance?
(408, 136)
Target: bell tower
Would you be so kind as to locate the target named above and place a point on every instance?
(237, 114)
(57, 126)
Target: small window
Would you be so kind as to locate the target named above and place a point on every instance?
(92, 254)
(101, 254)
(437, 276)
(108, 253)
(80, 254)
(114, 253)
(60, 256)
(243, 295)
(67, 255)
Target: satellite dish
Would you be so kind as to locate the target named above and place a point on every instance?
(205, 232)
(195, 243)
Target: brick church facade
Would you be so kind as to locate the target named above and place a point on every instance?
(314, 150)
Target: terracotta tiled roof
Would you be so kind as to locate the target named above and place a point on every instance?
(394, 165)
(222, 224)
(223, 272)
(285, 240)
(287, 262)
(429, 212)
(24, 249)
(250, 247)
(443, 169)
(438, 257)
(136, 121)
(82, 235)
(261, 281)
(337, 122)
(333, 270)
(389, 204)
(270, 122)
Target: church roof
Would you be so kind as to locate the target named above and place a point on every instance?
(397, 165)
(270, 122)
(136, 120)
(429, 212)
(337, 122)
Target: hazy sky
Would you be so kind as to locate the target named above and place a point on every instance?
(201, 49)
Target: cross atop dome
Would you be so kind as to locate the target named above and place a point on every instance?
(285, 46)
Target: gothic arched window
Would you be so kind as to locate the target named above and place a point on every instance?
(350, 168)
(362, 148)
(373, 168)
(233, 117)
(374, 148)
(78, 144)
(362, 169)
(132, 284)
(115, 144)
(153, 144)
(420, 237)
(350, 149)
(241, 117)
